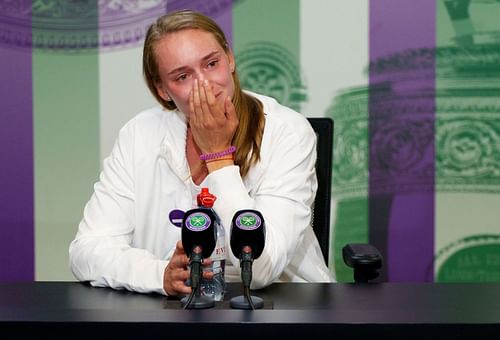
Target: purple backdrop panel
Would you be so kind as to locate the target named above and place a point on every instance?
(221, 11)
(16, 167)
(401, 128)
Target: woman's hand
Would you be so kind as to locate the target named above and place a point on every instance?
(176, 273)
(213, 121)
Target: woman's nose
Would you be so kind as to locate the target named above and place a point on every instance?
(200, 76)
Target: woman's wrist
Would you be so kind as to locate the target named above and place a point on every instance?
(219, 163)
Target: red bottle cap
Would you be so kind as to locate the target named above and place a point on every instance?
(205, 198)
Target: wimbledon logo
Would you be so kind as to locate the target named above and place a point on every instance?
(248, 221)
(198, 222)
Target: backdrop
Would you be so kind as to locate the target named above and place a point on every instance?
(413, 87)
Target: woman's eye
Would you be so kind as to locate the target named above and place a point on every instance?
(181, 77)
(212, 63)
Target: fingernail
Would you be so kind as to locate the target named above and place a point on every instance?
(205, 82)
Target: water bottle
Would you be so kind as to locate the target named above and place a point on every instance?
(215, 287)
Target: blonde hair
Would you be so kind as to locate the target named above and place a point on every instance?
(250, 112)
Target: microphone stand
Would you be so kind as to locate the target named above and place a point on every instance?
(195, 300)
(246, 301)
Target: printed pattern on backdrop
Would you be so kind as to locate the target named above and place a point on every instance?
(465, 136)
(467, 143)
(269, 68)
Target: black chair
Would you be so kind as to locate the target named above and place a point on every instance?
(363, 258)
(321, 210)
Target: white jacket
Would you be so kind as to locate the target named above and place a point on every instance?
(126, 239)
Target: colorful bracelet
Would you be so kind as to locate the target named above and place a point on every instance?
(215, 155)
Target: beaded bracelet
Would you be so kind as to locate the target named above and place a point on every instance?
(215, 155)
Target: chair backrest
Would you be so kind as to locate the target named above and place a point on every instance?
(321, 213)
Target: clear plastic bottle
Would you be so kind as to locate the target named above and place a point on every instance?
(214, 288)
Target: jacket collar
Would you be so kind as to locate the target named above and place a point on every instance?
(173, 145)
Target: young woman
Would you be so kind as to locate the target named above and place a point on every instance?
(262, 157)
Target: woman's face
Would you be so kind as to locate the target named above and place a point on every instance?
(191, 54)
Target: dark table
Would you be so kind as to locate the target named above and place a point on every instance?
(293, 310)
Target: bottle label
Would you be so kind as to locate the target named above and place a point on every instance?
(216, 287)
(220, 252)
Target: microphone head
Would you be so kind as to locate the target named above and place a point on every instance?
(248, 229)
(198, 230)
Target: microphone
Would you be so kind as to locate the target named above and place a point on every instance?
(247, 243)
(198, 239)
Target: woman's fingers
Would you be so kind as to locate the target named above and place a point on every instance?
(199, 102)
(177, 273)
(179, 284)
(208, 275)
(206, 109)
(216, 107)
(209, 94)
(179, 249)
(192, 114)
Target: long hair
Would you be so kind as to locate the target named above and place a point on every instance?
(250, 112)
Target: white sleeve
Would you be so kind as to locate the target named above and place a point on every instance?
(101, 251)
(284, 196)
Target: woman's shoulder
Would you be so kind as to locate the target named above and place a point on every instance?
(149, 129)
(151, 117)
(153, 121)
